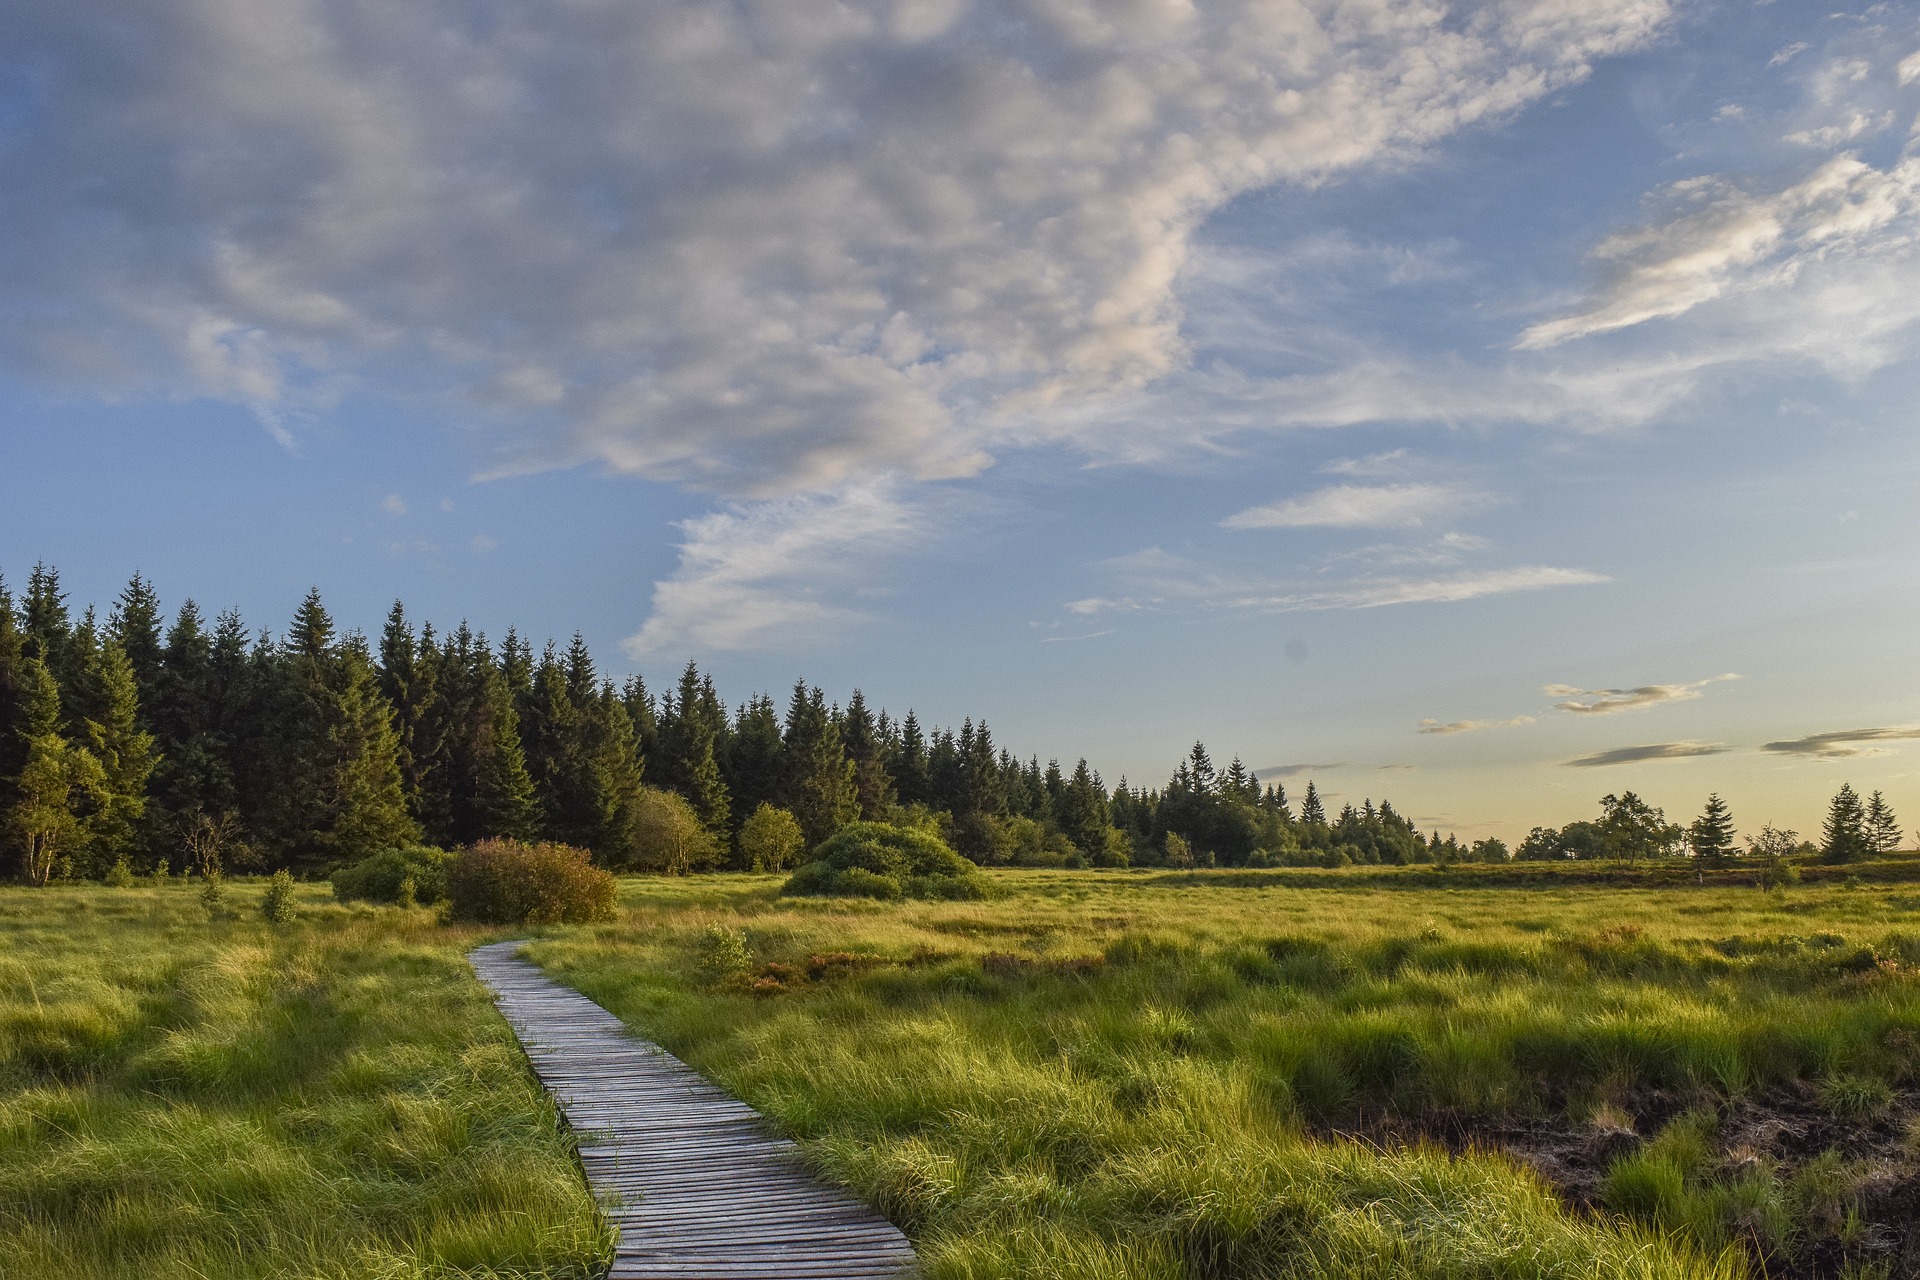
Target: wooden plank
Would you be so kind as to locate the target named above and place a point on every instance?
(694, 1181)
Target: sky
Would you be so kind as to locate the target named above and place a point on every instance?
(1482, 406)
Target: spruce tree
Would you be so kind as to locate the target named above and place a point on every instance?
(1311, 810)
(1845, 830)
(1711, 836)
(364, 808)
(872, 781)
(1882, 828)
(48, 630)
(817, 786)
(125, 755)
(911, 778)
(135, 625)
(754, 761)
(13, 675)
(504, 801)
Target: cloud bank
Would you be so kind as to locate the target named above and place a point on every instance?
(762, 248)
(1471, 726)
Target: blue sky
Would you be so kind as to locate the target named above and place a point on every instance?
(1486, 406)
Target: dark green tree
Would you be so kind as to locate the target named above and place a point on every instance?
(1710, 838)
(817, 785)
(1845, 832)
(1882, 827)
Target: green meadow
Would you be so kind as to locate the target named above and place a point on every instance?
(1092, 1074)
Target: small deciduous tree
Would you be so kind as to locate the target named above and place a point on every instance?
(665, 834)
(770, 839)
(60, 787)
(1635, 829)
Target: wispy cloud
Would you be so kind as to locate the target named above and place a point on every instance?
(1654, 751)
(1156, 580)
(1295, 770)
(1348, 506)
(394, 505)
(1608, 701)
(764, 574)
(1842, 744)
(1470, 726)
(1374, 464)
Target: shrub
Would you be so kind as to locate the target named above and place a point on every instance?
(383, 877)
(665, 834)
(723, 954)
(277, 905)
(120, 875)
(509, 882)
(770, 840)
(876, 860)
(213, 895)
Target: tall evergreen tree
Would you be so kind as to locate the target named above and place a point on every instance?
(135, 625)
(912, 778)
(1845, 831)
(48, 629)
(125, 754)
(1882, 828)
(754, 761)
(1711, 836)
(13, 675)
(504, 802)
(872, 781)
(1311, 810)
(817, 787)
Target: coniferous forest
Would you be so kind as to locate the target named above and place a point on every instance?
(148, 739)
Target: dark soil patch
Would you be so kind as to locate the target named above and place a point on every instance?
(1786, 1128)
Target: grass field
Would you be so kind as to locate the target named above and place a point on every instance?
(1095, 1075)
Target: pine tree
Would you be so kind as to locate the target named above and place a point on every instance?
(754, 760)
(1882, 828)
(817, 787)
(872, 781)
(1311, 810)
(1711, 835)
(48, 630)
(13, 674)
(912, 780)
(134, 625)
(124, 752)
(1845, 830)
(504, 801)
(364, 807)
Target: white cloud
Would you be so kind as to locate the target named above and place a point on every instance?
(761, 575)
(394, 505)
(1471, 726)
(1730, 239)
(1608, 701)
(1347, 506)
(1159, 581)
(1788, 54)
(1374, 464)
(761, 247)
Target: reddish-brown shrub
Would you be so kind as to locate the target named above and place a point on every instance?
(510, 882)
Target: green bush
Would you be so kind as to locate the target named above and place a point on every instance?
(277, 904)
(876, 860)
(383, 877)
(724, 954)
(509, 882)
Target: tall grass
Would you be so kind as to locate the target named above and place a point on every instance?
(1131, 1077)
(185, 1097)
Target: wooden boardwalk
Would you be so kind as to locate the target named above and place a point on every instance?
(698, 1187)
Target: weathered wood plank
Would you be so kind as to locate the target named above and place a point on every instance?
(692, 1178)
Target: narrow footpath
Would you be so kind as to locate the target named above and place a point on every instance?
(697, 1185)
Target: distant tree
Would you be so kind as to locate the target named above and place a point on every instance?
(1882, 828)
(1311, 810)
(504, 799)
(1844, 835)
(1179, 852)
(135, 625)
(817, 785)
(872, 781)
(770, 840)
(1634, 829)
(1492, 849)
(1711, 836)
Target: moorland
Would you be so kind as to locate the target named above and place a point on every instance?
(1117, 1073)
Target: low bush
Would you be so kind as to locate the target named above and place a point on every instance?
(876, 860)
(383, 877)
(509, 882)
(277, 903)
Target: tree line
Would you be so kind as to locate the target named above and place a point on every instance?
(193, 741)
(1631, 829)
(141, 742)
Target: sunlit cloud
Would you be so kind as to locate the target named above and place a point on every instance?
(1349, 506)
(1294, 770)
(1842, 744)
(1608, 701)
(1471, 726)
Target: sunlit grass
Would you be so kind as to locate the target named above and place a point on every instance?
(182, 1097)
